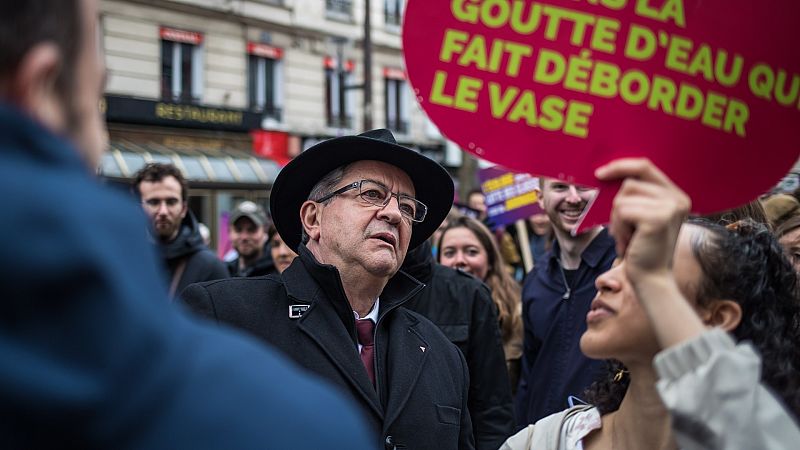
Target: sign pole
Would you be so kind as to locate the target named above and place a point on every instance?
(525, 245)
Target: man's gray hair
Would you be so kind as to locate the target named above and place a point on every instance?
(325, 186)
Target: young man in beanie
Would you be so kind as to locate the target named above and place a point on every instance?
(94, 356)
(352, 207)
(248, 235)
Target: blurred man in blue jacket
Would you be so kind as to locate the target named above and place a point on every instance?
(555, 300)
(93, 354)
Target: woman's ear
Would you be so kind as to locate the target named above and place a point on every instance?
(309, 216)
(725, 314)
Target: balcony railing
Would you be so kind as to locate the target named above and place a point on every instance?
(269, 112)
(392, 18)
(340, 122)
(399, 126)
(339, 8)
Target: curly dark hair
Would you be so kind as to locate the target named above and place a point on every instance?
(744, 263)
(155, 172)
(606, 394)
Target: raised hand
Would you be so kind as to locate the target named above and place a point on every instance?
(647, 215)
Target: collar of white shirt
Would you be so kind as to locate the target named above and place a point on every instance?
(373, 315)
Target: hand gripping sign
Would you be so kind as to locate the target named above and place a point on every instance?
(709, 90)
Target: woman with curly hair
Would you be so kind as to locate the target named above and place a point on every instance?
(467, 244)
(701, 323)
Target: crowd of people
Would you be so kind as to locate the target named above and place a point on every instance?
(360, 310)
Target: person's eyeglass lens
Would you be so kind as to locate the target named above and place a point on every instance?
(378, 195)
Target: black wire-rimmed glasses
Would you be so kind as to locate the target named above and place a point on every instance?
(377, 194)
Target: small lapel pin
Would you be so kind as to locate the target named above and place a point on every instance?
(297, 311)
(422, 348)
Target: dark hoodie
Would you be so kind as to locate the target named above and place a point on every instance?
(263, 266)
(201, 263)
(461, 306)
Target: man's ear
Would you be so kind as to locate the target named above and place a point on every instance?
(310, 219)
(725, 314)
(538, 192)
(33, 86)
(184, 208)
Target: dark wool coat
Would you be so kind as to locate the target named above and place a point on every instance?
(461, 306)
(420, 401)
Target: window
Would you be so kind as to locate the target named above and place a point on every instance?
(265, 81)
(396, 100)
(339, 101)
(339, 8)
(393, 11)
(181, 66)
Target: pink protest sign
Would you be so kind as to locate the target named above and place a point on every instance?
(708, 90)
(223, 238)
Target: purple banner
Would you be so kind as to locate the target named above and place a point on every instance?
(466, 210)
(510, 196)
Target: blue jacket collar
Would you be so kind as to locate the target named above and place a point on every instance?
(19, 132)
(592, 256)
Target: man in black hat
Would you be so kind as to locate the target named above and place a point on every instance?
(248, 235)
(352, 207)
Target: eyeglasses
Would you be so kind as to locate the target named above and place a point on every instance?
(377, 194)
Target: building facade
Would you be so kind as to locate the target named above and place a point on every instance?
(230, 90)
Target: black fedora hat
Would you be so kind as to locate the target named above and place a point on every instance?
(432, 184)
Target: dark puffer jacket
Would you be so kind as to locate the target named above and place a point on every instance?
(201, 263)
(461, 306)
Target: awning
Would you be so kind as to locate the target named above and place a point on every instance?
(206, 165)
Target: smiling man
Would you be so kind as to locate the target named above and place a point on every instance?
(352, 207)
(555, 300)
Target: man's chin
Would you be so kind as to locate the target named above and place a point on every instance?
(245, 252)
(564, 227)
(384, 268)
(165, 233)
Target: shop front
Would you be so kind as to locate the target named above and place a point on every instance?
(213, 147)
